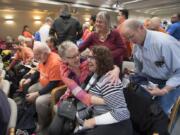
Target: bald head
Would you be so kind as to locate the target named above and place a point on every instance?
(132, 24)
(155, 23)
(147, 22)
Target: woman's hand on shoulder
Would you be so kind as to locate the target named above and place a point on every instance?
(113, 75)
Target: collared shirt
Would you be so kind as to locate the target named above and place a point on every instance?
(159, 57)
(44, 32)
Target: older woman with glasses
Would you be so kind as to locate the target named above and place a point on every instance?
(111, 117)
(105, 36)
(78, 70)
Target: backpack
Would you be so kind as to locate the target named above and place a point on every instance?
(146, 115)
(27, 117)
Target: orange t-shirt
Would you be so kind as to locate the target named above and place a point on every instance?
(25, 54)
(27, 34)
(50, 71)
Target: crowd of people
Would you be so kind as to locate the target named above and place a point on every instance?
(88, 61)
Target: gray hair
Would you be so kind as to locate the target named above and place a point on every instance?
(85, 25)
(41, 47)
(62, 49)
(21, 38)
(132, 24)
(48, 19)
(104, 16)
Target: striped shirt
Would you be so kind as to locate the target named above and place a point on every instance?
(159, 57)
(114, 99)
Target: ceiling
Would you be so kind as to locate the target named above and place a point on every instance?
(150, 7)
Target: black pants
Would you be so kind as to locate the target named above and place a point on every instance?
(121, 128)
(56, 126)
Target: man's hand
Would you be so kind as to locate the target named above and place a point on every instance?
(24, 81)
(7, 68)
(31, 97)
(90, 123)
(27, 81)
(156, 91)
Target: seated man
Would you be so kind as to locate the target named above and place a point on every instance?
(23, 53)
(156, 55)
(49, 78)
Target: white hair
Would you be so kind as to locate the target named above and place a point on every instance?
(132, 24)
(48, 19)
(85, 25)
(41, 47)
(62, 49)
(21, 38)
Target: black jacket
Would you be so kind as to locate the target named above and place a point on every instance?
(66, 28)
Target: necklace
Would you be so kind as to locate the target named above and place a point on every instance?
(103, 37)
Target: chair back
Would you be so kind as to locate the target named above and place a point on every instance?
(174, 114)
(5, 86)
(13, 117)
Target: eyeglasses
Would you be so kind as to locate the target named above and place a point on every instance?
(72, 57)
(91, 57)
(130, 36)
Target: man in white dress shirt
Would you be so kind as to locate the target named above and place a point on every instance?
(44, 29)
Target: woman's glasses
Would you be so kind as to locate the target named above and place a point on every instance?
(91, 57)
(74, 56)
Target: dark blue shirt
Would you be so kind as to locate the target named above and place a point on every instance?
(174, 30)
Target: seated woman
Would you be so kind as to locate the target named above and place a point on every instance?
(78, 70)
(113, 116)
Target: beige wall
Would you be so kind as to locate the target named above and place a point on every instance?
(20, 19)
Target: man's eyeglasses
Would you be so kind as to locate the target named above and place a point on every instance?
(130, 36)
(72, 57)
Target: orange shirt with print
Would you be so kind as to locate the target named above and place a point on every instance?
(25, 54)
(50, 71)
